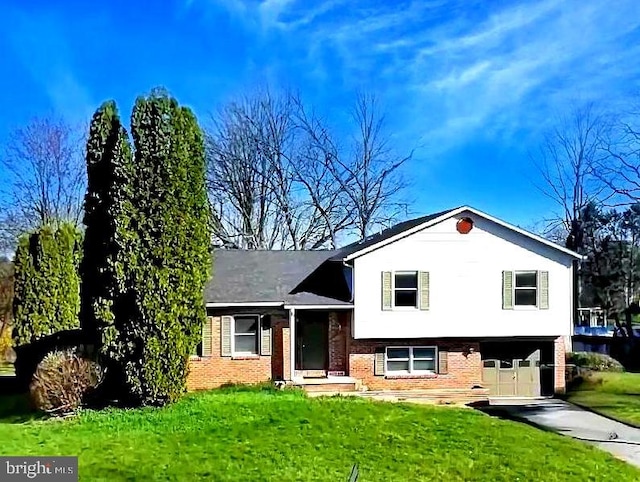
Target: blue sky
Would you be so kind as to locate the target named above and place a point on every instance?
(471, 84)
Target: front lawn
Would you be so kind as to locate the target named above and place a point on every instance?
(268, 435)
(616, 395)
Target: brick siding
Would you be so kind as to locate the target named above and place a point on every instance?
(215, 370)
(464, 367)
(559, 380)
(354, 357)
(338, 330)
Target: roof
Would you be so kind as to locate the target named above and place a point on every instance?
(257, 276)
(295, 277)
(409, 227)
(386, 234)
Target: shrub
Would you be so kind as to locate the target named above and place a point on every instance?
(47, 285)
(63, 381)
(594, 361)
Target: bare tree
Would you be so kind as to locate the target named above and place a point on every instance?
(244, 208)
(368, 174)
(373, 180)
(278, 178)
(44, 176)
(567, 162)
(620, 170)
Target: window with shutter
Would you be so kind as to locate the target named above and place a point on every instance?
(525, 289)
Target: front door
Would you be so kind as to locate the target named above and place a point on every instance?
(312, 346)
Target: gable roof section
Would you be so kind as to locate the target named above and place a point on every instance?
(407, 228)
(375, 239)
(264, 277)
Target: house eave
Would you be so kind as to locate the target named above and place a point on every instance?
(318, 307)
(244, 304)
(455, 212)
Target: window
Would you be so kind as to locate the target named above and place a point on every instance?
(526, 288)
(245, 334)
(405, 292)
(411, 359)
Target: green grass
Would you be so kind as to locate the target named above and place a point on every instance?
(616, 395)
(265, 435)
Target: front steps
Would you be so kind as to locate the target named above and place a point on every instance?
(450, 396)
(338, 385)
(327, 385)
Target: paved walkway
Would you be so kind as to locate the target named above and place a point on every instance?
(565, 418)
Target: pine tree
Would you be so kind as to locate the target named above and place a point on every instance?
(47, 285)
(151, 308)
(108, 234)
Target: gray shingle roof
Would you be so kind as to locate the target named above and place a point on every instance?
(255, 276)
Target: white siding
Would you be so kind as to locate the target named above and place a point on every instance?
(465, 285)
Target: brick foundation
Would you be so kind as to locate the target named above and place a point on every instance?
(464, 368)
(355, 358)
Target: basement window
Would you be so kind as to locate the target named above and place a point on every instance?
(411, 359)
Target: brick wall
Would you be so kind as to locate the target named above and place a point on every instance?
(559, 382)
(464, 368)
(338, 331)
(214, 371)
(280, 355)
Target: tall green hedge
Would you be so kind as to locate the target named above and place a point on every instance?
(152, 317)
(46, 291)
(108, 216)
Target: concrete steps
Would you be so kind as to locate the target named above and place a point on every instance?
(330, 388)
(436, 396)
(328, 385)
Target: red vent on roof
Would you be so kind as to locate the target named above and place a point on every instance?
(464, 225)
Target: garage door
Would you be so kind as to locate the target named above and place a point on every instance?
(512, 377)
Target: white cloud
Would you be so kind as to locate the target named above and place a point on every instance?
(456, 68)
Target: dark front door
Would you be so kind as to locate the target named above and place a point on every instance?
(312, 344)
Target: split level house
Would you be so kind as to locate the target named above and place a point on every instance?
(457, 300)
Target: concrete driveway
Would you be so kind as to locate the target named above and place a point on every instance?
(567, 419)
